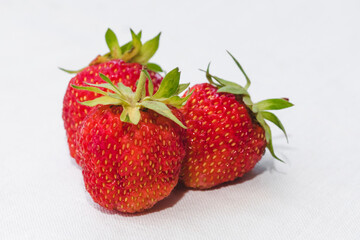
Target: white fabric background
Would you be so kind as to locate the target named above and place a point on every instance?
(308, 51)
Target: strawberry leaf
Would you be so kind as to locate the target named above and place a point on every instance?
(169, 84)
(162, 109)
(113, 44)
(273, 104)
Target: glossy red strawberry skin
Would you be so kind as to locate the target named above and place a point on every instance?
(224, 139)
(129, 167)
(117, 70)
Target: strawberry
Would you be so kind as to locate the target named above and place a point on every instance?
(131, 147)
(227, 133)
(121, 64)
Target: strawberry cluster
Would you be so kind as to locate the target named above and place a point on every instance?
(135, 137)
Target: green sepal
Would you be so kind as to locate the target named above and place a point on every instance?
(224, 82)
(114, 88)
(125, 90)
(104, 100)
(133, 114)
(97, 90)
(113, 44)
(248, 82)
(147, 50)
(208, 75)
(234, 90)
(127, 46)
(91, 89)
(270, 145)
(248, 102)
(154, 67)
(274, 119)
(162, 109)
(268, 135)
(124, 117)
(230, 87)
(169, 84)
(135, 48)
(273, 104)
(71, 71)
(102, 85)
(182, 87)
(176, 101)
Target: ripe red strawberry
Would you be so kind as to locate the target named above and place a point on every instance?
(131, 149)
(227, 133)
(121, 64)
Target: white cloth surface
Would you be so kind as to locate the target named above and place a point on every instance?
(308, 51)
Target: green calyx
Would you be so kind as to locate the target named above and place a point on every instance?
(132, 102)
(260, 109)
(132, 52)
